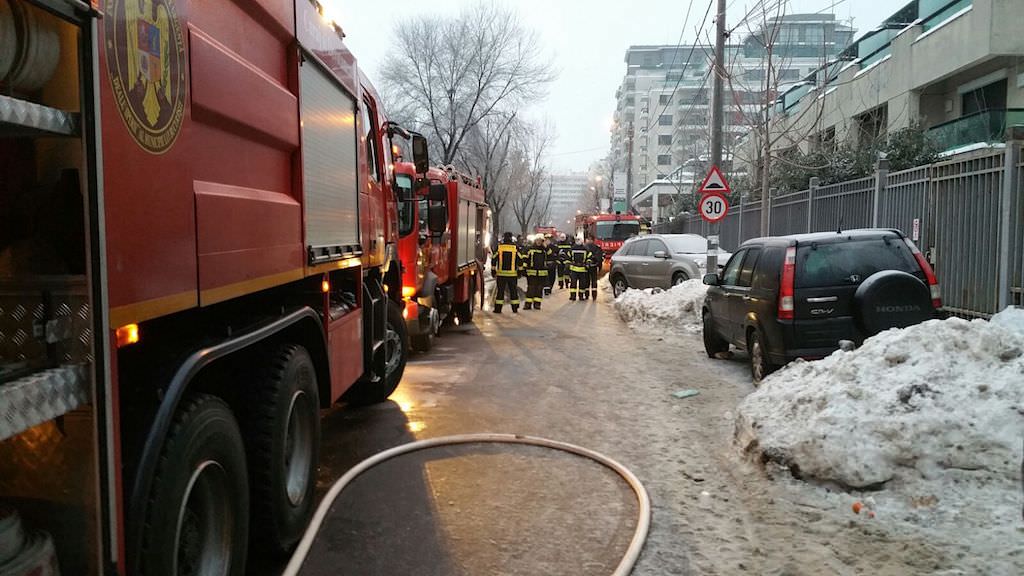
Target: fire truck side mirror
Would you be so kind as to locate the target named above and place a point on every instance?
(420, 153)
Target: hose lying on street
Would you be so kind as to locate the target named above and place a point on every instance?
(624, 567)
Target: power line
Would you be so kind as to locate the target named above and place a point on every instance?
(686, 64)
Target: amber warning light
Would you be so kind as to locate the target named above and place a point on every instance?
(127, 335)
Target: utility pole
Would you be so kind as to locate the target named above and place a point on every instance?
(629, 170)
(717, 97)
(717, 121)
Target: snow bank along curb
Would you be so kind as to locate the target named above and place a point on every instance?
(932, 416)
(678, 308)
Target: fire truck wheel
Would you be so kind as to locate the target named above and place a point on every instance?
(464, 311)
(197, 520)
(396, 351)
(284, 442)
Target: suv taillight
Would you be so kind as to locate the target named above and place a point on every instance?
(786, 289)
(929, 274)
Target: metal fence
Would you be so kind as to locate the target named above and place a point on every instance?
(966, 211)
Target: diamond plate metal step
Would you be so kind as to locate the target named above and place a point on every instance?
(41, 397)
(20, 117)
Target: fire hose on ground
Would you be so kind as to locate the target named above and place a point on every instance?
(624, 567)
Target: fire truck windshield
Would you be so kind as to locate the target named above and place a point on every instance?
(608, 230)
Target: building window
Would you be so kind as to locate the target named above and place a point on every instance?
(990, 97)
(664, 99)
(665, 120)
(790, 74)
(664, 140)
(756, 74)
(871, 125)
(664, 159)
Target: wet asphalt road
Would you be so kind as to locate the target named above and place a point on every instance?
(570, 372)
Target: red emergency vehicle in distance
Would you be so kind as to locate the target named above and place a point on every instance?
(443, 236)
(608, 230)
(198, 225)
(549, 231)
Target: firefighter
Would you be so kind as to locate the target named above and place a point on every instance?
(563, 247)
(551, 254)
(596, 260)
(505, 266)
(536, 274)
(579, 259)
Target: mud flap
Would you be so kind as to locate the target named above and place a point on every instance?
(375, 312)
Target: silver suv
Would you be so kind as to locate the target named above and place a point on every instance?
(660, 261)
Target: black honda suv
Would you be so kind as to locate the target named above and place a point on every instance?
(789, 297)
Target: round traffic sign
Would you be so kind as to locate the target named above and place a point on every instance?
(713, 207)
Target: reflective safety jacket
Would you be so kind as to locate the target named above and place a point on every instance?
(579, 258)
(563, 249)
(537, 261)
(506, 261)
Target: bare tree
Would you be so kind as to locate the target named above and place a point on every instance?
(486, 152)
(530, 204)
(446, 75)
(771, 133)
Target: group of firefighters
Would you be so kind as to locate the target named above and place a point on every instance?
(576, 265)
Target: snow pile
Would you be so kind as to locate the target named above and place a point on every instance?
(678, 308)
(932, 415)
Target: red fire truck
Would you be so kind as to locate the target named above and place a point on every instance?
(198, 252)
(609, 231)
(443, 237)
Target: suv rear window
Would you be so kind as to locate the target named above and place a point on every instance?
(851, 262)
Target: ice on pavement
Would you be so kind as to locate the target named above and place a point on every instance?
(932, 415)
(678, 308)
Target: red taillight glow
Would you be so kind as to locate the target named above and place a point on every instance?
(929, 274)
(786, 290)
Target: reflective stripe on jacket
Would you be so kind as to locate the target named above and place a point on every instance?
(506, 260)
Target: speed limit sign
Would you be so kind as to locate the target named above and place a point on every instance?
(713, 207)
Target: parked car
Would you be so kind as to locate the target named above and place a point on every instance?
(659, 261)
(789, 297)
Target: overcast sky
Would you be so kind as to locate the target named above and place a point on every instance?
(586, 40)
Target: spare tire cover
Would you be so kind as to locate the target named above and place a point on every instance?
(891, 299)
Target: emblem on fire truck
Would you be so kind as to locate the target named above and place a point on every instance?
(145, 63)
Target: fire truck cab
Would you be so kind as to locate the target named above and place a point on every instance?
(444, 234)
(608, 230)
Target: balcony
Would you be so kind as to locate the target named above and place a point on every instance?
(986, 126)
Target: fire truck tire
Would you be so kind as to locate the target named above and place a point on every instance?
(197, 520)
(396, 348)
(464, 311)
(284, 443)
